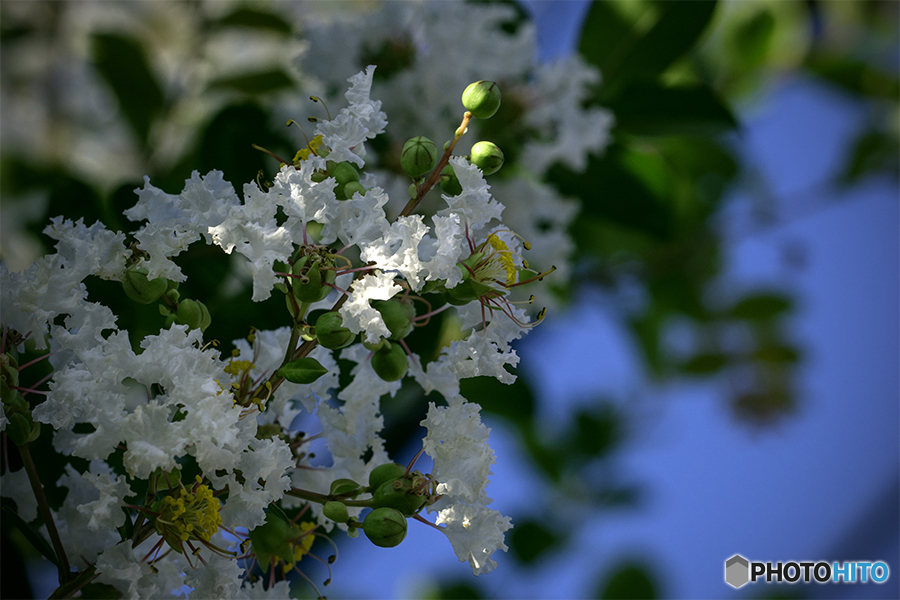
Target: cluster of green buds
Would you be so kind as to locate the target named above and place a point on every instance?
(22, 427)
(389, 358)
(346, 177)
(142, 290)
(311, 276)
(396, 495)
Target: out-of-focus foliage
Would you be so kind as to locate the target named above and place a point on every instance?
(158, 97)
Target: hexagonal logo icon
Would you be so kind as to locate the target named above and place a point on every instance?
(737, 571)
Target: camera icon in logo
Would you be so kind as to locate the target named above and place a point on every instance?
(737, 571)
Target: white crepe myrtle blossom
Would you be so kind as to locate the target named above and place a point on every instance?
(187, 442)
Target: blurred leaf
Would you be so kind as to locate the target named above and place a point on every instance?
(100, 591)
(254, 83)
(705, 363)
(634, 55)
(651, 109)
(855, 76)
(596, 432)
(11, 518)
(122, 63)
(873, 152)
(254, 19)
(629, 581)
(610, 190)
(765, 406)
(604, 30)
(514, 401)
(751, 39)
(455, 591)
(777, 353)
(530, 539)
(761, 306)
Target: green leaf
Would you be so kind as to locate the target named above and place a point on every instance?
(873, 152)
(254, 83)
(777, 354)
(255, 19)
(302, 370)
(122, 63)
(609, 189)
(705, 363)
(629, 581)
(603, 32)
(761, 306)
(530, 539)
(11, 517)
(651, 109)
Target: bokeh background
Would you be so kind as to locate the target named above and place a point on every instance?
(722, 372)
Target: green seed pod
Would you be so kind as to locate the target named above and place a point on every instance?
(398, 494)
(189, 313)
(385, 472)
(397, 315)
(336, 511)
(450, 182)
(418, 157)
(482, 99)
(331, 333)
(390, 364)
(354, 187)
(314, 288)
(487, 157)
(343, 486)
(385, 527)
(140, 289)
(373, 346)
(343, 172)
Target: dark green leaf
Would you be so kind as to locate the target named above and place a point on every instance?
(514, 401)
(761, 306)
(610, 190)
(12, 518)
(651, 109)
(855, 76)
(629, 581)
(604, 32)
(705, 363)
(254, 83)
(100, 591)
(530, 539)
(122, 63)
(751, 39)
(596, 432)
(254, 19)
(777, 353)
(455, 591)
(302, 370)
(873, 152)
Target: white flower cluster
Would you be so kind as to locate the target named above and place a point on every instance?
(174, 399)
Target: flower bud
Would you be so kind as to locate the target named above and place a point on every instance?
(373, 346)
(385, 472)
(331, 333)
(140, 289)
(343, 486)
(397, 315)
(189, 313)
(482, 99)
(343, 172)
(354, 187)
(336, 511)
(385, 527)
(450, 184)
(398, 494)
(418, 157)
(308, 283)
(487, 157)
(390, 363)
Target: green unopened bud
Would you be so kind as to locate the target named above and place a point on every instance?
(482, 99)
(385, 527)
(343, 172)
(397, 315)
(336, 511)
(399, 494)
(385, 472)
(140, 289)
(450, 184)
(189, 313)
(418, 157)
(390, 363)
(331, 333)
(354, 187)
(487, 157)
(413, 190)
(343, 486)
(309, 281)
(373, 346)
